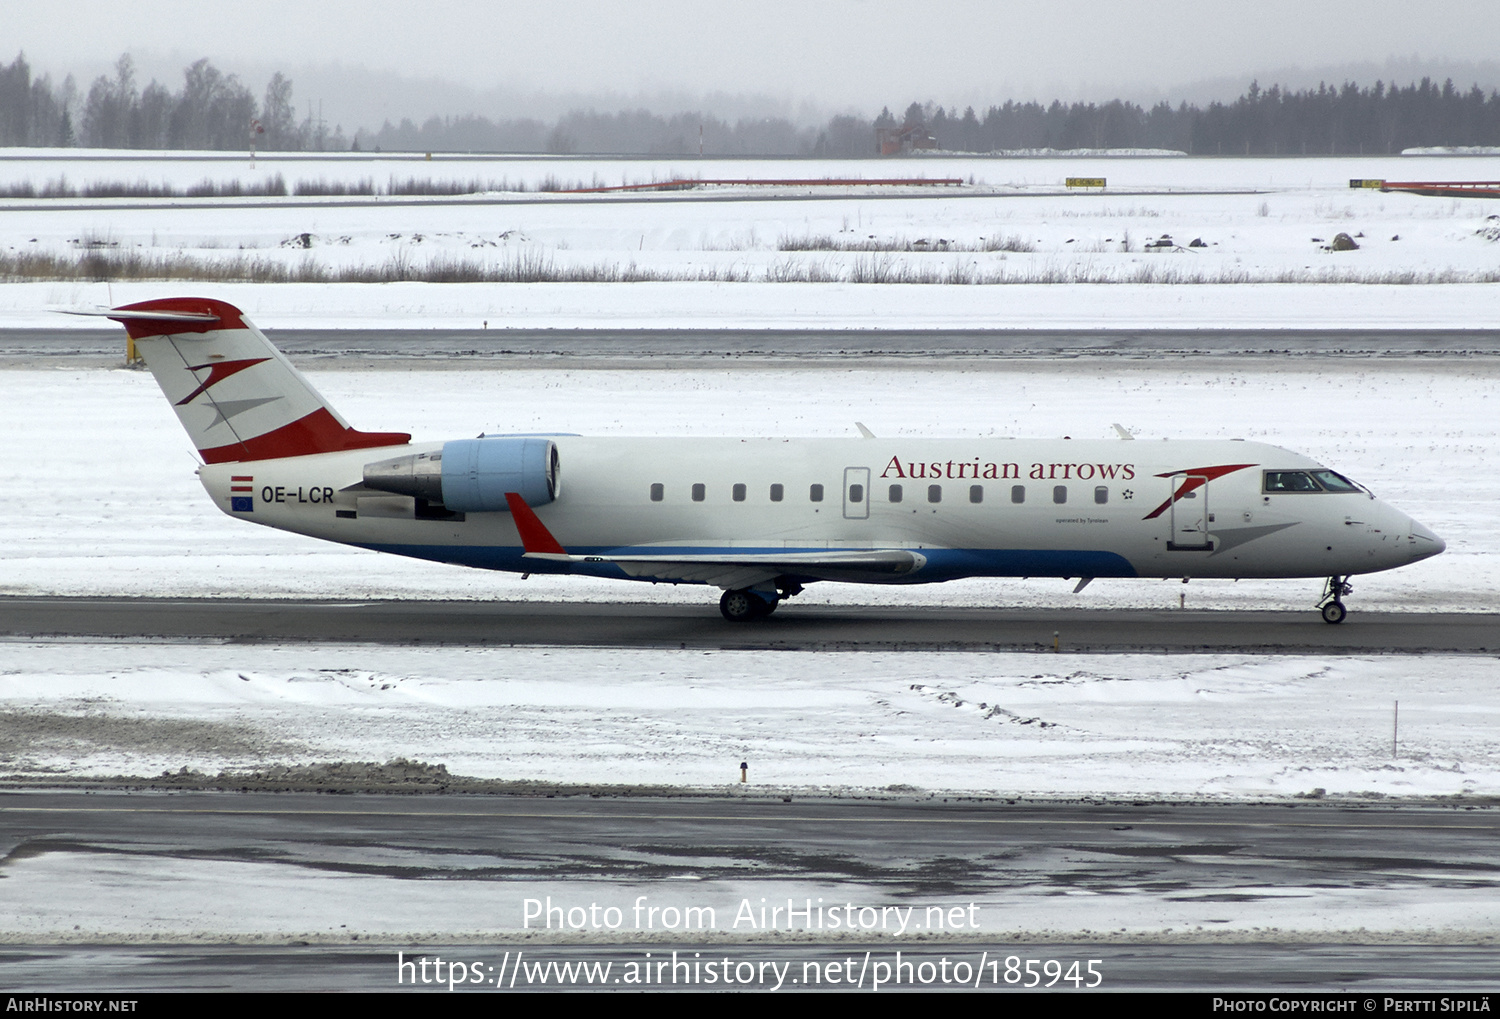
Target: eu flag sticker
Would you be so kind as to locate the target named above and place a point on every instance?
(242, 504)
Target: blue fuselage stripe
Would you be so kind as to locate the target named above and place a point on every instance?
(942, 563)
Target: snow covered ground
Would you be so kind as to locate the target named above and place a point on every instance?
(181, 168)
(1253, 237)
(800, 306)
(1263, 260)
(98, 494)
(1037, 725)
(102, 453)
(1210, 727)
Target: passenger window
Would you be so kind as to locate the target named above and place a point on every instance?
(934, 493)
(658, 492)
(776, 491)
(1101, 495)
(739, 493)
(1059, 494)
(895, 493)
(976, 493)
(1018, 493)
(815, 493)
(856, 493)
(698, 492)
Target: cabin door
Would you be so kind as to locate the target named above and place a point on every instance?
(856, 493)
(1189, 516)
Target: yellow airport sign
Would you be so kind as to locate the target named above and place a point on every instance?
(1085, 182)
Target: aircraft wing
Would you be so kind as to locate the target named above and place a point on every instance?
(730, 570)
(721, 568)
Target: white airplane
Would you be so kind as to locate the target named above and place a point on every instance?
(759, 518)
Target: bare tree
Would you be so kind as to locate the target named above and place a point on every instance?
(107, 110)
(277, 115)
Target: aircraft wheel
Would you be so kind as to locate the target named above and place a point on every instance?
(739, 606)
(1334, 612)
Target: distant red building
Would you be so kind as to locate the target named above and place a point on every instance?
(909, 137)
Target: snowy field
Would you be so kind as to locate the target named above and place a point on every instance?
(1034, 725)
(98, 497)
(124, 514)
(1246, 237)
(1264, 225)
(799, 306)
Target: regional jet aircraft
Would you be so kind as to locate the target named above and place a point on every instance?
(759, 518)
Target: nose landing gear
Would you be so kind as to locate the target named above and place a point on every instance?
(1331, 604)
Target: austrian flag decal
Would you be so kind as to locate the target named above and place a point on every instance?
(242, 493)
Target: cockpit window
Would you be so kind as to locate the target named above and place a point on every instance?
(1335, 482)
(1309, 481)
(1291, 481)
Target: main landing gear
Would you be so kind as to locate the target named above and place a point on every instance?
(739, 606)
(1331, 604)
(744, 604)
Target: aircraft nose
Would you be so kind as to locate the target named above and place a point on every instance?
(1423, 543)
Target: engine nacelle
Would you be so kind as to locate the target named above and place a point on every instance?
(473, 475)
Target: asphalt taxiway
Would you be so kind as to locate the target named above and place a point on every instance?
(414, 622)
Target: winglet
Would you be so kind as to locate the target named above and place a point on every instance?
(534, 534)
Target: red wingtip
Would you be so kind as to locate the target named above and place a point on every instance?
(534, 534)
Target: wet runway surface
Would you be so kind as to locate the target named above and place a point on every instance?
(1220, 859)
(441, 349)
(414, 622)
(1249, 968)
(923, 846)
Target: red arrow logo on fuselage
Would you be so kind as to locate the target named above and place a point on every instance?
(217, 373)
(1196, 478)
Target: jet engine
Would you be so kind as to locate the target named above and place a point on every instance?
(473, 475)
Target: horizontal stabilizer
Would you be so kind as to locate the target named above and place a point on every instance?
(122, 315)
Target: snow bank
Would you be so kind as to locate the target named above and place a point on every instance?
(1036, 725)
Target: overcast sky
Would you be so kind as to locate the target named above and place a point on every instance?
(829, 54)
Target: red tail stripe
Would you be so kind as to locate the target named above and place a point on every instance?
(318, 432)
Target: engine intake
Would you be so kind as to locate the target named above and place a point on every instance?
(473, 475)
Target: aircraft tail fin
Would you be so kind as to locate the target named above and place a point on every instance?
(237, 395)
